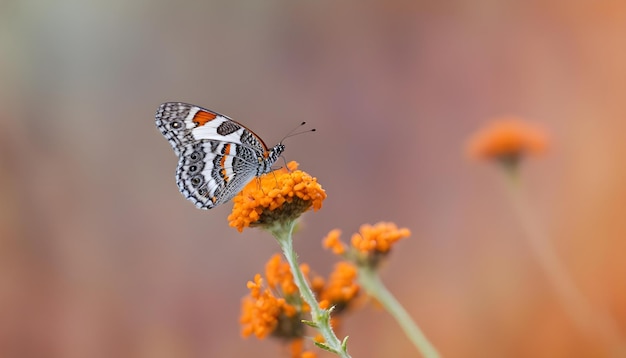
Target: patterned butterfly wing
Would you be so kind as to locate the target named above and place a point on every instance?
(171, 120)
(217, 156)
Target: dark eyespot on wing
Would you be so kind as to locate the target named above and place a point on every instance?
(170, 120)
(196, 154)
(197, 181)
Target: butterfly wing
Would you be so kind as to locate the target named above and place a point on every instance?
(182, 124)
(217, 156)
(210, 173)
(176, 122)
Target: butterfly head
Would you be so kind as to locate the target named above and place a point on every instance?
(271, 157)
(277, 150)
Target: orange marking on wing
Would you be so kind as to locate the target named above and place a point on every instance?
(202, 117)
(223, 162)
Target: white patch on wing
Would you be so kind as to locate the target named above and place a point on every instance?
(209, 131)
(211, 184)
(189, 119)
(228, 165)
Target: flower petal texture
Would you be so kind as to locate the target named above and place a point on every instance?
(277, 197)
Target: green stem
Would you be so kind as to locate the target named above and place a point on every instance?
(369, 279)
(591, 321)
(320, 317)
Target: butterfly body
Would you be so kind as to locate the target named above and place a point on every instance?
(217, 156)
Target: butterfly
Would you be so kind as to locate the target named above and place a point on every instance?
(217, 156)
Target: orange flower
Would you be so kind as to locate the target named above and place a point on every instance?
(507, 139)
(368, 245)
(331, 241)
(341, 288)
(277, 309)
(261, 312)
(277, 197)
(279, 275)
(378, 238)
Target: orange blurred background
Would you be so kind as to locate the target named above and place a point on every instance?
(100, 256)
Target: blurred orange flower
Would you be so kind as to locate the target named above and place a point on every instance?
(277, 197)
(276, 309)
(378, 238)
(371, 243)
(332, 241)
(341, 288)
(279, 275)
(261, 311)
(507, 139)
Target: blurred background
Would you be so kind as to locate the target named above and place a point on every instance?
(100, 255)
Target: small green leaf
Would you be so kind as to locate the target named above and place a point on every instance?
(344, 344)
(325, 347)
(310, 323)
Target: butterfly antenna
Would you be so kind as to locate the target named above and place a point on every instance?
(292, 133)
(295, 132)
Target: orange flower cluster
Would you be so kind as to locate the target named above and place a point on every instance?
(507, 139)
(277, 310)
(341, 288)
(379, 237)
(277, 197)
(262, 311)
(279, 275)
(369, 244)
